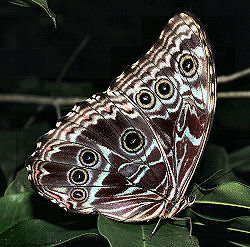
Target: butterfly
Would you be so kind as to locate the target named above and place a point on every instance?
(130, 152)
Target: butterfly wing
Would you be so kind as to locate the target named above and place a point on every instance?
(123, 152)
(196, 118)
(83, 166)
(182, 119)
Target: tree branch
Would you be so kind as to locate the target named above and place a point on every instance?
(73, 57)
(234, 76)
(234, 94)
(59, 101)
(59, 78)
(36, 99)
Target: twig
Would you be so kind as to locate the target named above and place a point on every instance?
(59, 101)
(33, 117)
(35, 99)
(234, 76)
(234, 94)
(59, 78)
(73, 57)
(58, 110)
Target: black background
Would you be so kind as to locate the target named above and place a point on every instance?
(120, 31)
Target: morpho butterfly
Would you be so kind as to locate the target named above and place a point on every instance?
(129, 153)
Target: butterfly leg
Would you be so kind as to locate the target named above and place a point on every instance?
(154, 230)
(190, 227)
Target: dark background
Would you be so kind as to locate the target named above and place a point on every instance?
(32, 53)
(120, 31)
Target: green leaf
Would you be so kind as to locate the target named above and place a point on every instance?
(40, 3)
(214, 159)
(221, 204)
(231, 194)
(8, 159)
(37, 232)
(221, 213)
(20, 184)
(232, 167)
(19, 3)
(240, 162)
(15, 148)
(233, 243)
(51, 226)
(241, 227)
(37, 220)
(213, 205)
(240, 224)
(29, 205)
(127, 234)
(15, 208)
(242, 154)
(235, 230)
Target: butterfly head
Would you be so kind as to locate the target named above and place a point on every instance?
(176, 207)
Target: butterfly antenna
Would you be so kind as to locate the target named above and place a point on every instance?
(154, 230)
(213, 175)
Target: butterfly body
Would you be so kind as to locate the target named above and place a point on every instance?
(130, 152)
